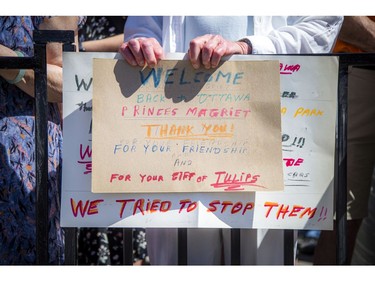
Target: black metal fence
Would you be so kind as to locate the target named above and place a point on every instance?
(38, 64)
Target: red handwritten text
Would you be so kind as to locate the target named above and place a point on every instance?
(232, 182)
(289, 69)
(142, 206)
(85, 158)
(89, 207)
(293, 162)
(281, 210)
(181, 176)
(120, 177)
(233, 207)
(188, 204)
(148, 178)
(187, 176)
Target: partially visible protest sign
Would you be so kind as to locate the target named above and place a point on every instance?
(176, 129)
(308, 91)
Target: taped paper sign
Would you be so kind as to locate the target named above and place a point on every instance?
(308, 92)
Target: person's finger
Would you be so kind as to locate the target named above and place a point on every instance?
(152, 51)
(127, 54)
(218, 53)
(208, 50)
(148, 54)
(195, 50)
(158, 51)
(135, 47)
(194, 58)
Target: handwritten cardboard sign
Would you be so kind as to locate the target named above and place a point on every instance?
(177, 129)
(308, 92)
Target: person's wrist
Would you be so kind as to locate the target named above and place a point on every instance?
(21, 72)
(81, 46)
(246, 46)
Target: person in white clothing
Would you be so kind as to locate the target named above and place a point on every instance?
(207, 39)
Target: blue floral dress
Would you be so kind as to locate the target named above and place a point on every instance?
(17, 159)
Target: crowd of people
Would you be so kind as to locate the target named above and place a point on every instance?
(145, 40)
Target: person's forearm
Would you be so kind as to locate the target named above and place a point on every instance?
(8, 74)
(359, 31)
(26, 84)
(54, 49)
(25, 81)
(54, 83)
(110, 44)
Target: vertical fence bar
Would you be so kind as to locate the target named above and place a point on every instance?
(289, 247)
(71, 247)
(127, 240)
(41, 153)
(41, 38)
(182, 246)
(341, 164)
(71, 233)
(235, 246)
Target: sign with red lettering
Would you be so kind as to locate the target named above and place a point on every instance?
(308, 96)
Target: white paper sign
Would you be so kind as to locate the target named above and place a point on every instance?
(308, 114)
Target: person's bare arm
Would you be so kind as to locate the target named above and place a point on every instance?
(109, 44)
(54, 50)
(359, 31)
(54, 61)
(8, 74)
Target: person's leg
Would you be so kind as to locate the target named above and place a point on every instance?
(257, 246)
(364, 249)
(360, 161)
(248, 246)
(325, 251)
(162, 246)
(204, 246)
